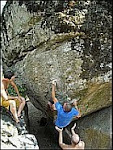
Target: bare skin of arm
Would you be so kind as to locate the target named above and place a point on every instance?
(53, 92)
(16, 90)
(15, 87)
(60, 135)
(61, 144)
(66, 146)
(75, 104)
(72, 129)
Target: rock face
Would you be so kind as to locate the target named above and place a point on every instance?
(55, 40)
(95, 129)
(11, 137)
(70, 42)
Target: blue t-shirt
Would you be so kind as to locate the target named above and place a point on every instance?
(64, 118)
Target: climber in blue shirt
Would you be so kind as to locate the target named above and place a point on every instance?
(66, 112)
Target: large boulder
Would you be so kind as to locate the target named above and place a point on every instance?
(70, 42)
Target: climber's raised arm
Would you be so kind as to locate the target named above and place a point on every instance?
(53, 91)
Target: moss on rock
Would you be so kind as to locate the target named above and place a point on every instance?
(96, 139)
(96, 96)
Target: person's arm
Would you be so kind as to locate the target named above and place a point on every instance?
(17, 91)
(72, 129)
(61, 144)
(60, 135)
(76, 107)
(6, 97)
(15, 88)
(53, 91)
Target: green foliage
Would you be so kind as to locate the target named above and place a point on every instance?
(22, 90)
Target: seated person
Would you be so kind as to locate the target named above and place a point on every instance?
(13, 101)
(6, 102)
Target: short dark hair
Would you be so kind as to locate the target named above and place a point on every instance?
(68, 107)
(8, 74)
